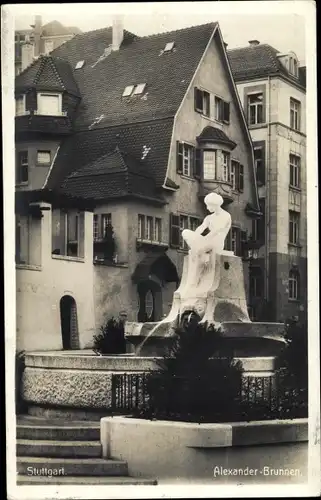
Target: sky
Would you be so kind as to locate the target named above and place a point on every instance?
(282, 24)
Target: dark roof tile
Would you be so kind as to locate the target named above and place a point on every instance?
(214, 134)
(147, 143)
(256, 61)
(139, 60)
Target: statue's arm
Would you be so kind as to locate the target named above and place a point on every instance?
(200, 229)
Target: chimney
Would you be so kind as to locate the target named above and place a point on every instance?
(27, 54)
(37, 33)
(253, 43)
(118, 33)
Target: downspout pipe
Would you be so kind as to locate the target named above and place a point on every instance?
(267, 199)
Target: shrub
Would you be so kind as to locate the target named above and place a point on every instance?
(111, 339)
(19, 369)
(190, 386)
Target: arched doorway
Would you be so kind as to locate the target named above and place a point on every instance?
(69, 323)
(150, 301)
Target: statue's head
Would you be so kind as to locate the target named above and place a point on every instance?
(213, 201)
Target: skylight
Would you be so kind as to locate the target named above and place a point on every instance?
(169, 46)
(128, 91)
(139, 88)
(79, 64)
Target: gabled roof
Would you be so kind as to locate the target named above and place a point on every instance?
(139, 60)
(48, 73)
(147, 143)
(113, 175)
(257, 61)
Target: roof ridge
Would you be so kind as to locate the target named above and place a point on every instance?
(248, 47)
(213, 23)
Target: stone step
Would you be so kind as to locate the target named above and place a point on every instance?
(69, 432)
(71, 466)
(85, 480)
(50, 448)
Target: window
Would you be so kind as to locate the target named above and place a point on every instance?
(225, 167)
(209, 165)
(169, 47)
(43, 157)
(20, 105)
(67, 233)
(79, 64)
(22, 239)
(128, 91)
(255, 108)
(202, 102)
(294, 221)
(256, 282)
(95, 227)
(105, 222)
(157, 230)
(259, 164)
(49, 46)
(234, 173)
(234, 238)
(295, 114)
(295, 67)
(258, 225)
(177, 224)
(185, 159)
(22, 167)
(294, 284)
(139, 89)
(149, 228)
(233, 241)
(49, 104)
(295, 170)
(222, 110)
(237, 176)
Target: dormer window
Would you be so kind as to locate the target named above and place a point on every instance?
(139, 88)
(128, 91)
(169, 47)
(134, 90)
(79, 64)
(20, 105)
(49, 104)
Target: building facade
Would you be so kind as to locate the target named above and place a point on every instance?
(40, 39)
(143, 128)
(272, 90)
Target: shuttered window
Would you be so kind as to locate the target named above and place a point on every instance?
(174, 231)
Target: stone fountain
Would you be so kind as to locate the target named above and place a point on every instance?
(212, 288)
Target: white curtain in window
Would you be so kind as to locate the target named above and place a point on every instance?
(48, 104)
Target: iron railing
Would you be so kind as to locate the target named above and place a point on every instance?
(258, 398)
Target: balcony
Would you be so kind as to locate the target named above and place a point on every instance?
(142, 243)
(31, 122)
(223, 188)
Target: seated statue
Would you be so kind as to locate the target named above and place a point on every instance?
(203, 249)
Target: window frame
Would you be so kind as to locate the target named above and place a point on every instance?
(226, 167)
(214, 152)
(41, 162)
(256, 105)
(220, 108)
(205, 110)
(105, 220)
(23, 97)
(294, 285)
(21, 166)
(49, 94)
(295, 114)
(190, 158)
(294, 227)
(295, 171)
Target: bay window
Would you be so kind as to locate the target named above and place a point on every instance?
(209, 165)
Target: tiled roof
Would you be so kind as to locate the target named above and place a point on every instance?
(214, 134)
(139, 60)
(48, 73)
(113, 175)
(256, 61)
(146, 143)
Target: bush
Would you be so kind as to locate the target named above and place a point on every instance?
(189, 385)
(21, 406)
(111, 339)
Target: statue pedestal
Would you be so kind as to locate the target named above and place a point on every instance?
(220, 298)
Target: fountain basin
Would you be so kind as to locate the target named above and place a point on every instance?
(240, 338)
